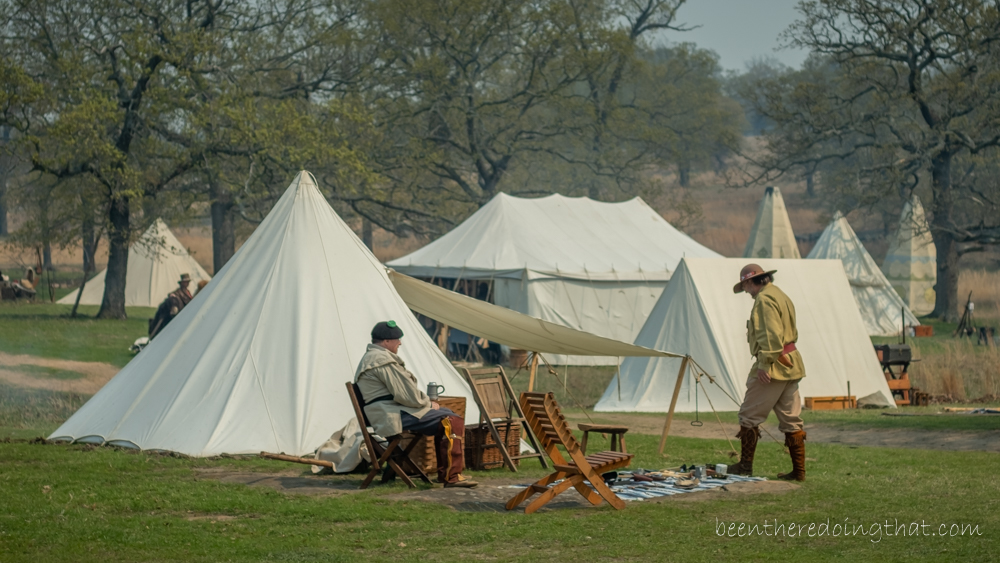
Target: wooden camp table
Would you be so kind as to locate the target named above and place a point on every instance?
(615, 431)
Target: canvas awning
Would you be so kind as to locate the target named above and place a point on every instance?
(508, 327)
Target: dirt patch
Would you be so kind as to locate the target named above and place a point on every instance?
(818, 433)
(94, 375)
(492, 495)
(291, 481)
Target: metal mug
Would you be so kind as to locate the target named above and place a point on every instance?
(434, 390)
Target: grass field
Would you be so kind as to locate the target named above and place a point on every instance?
(85, 503)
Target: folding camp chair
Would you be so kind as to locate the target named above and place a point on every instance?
(390, 452)
(550, 426)
(498, 408)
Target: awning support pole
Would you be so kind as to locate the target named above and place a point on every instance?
(531, 373)
(673, 402)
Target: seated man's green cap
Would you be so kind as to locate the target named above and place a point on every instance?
(386, 330)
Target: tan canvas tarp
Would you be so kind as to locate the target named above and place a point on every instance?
(508, 327)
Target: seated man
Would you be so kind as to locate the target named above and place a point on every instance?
(394, 402)
(171, 306)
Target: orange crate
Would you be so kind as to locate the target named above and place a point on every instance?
(831, 403)
(923, 330)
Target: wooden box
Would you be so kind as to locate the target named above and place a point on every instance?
(923, 330)
(423, 454)
(479, 450)
(831, 403)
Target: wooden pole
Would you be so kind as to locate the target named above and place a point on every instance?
(296, 459)
(531, 373)
(673, 402)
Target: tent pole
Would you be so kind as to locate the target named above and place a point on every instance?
(531, 374)
(673, 402)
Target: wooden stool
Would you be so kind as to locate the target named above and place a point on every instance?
(615, 431)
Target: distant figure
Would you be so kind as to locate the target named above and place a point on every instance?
(773, 383)
(171, 306)
(201, 286)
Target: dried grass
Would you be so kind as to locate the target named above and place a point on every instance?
(985, 288)
(960, 369)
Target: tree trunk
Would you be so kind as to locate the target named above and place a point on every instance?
(47, 256)
(88, 238)
(223, 226)
(3, 201)
(366, 234)
(113, 303)
(811, 183)
(946, 300)
(684, 175)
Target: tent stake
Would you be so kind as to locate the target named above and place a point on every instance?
(673, 402)
(531, 374)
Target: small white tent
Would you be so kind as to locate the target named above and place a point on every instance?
(911, 263)
(593, 266)
(882, 309)
(258, 361)
(699, 315)
(155, 264)
(771, 235)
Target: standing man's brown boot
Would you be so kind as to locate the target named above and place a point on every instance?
(796, 442)
(748, 446)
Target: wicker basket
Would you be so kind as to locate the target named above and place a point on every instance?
(423, 454)
(479, 452)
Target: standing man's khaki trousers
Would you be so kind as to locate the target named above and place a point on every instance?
(781, 396)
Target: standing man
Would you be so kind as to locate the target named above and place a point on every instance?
(394, 402)
(773, 383)
(171, 306)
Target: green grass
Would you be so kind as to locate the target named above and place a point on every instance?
(102, 504)
(46, 330)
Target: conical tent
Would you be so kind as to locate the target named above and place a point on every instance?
(911, 263)
(699, 315)
(258, 361)
(772, 235)
(594, 266)
(882, 309)
(155, 264)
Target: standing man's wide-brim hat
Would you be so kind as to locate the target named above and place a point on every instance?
(185, 278)
(749, 272)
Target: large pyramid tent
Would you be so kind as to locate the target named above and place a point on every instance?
(155, 264)
(594, 266)
(699, 315)
(771, 235)
(258, 361)
(882, 309)
(911, 263)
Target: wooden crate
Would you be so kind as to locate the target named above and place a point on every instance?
(479, 452)
(423, 454)
(923, 330)
(831, 403)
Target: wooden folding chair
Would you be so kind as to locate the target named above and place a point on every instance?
(390, 452)
(498, 407)
(550, 426)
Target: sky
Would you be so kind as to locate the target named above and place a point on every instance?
(739, 30)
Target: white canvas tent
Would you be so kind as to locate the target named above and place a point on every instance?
(771, 235)
(882, 309)
(593, 266)
(911, 263)
(258, 360)
(155, 264)
(699, 315)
